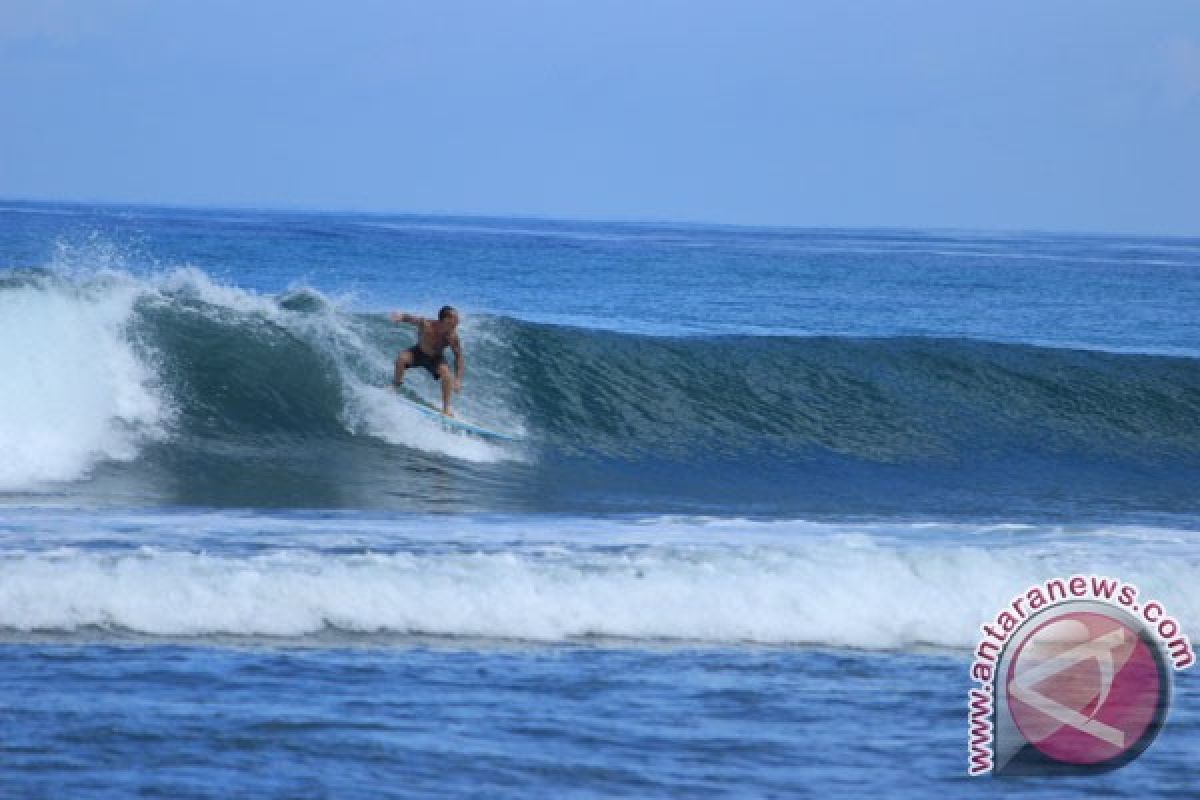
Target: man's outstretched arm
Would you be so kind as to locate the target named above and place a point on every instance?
(405, 317)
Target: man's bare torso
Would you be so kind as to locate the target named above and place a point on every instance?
(432, 339)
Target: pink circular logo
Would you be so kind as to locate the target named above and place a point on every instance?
(1086, 688)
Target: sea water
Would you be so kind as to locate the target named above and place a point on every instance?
(768, 484)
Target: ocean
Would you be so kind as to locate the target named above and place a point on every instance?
(768, 484)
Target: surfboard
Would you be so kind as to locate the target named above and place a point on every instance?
(453, 424)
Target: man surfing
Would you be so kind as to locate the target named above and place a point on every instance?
(433, 337)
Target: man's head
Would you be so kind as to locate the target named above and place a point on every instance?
(448, 317)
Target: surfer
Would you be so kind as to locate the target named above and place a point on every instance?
(433, 337)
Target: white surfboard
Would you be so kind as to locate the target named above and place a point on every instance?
(453, 424)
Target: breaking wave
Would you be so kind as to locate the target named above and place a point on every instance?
(179, 373)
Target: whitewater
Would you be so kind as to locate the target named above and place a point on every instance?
(555, 579)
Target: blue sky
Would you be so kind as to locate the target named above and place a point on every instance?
(1017, 115)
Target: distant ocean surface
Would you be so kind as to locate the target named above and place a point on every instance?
(768, 484)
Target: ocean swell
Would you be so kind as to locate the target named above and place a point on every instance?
(178, 370)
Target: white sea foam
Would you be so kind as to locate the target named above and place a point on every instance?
(75, 389)
(845, 587)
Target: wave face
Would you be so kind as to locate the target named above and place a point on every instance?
(215, 395)
(889, 400)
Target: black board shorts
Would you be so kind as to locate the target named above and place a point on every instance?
(422, 359)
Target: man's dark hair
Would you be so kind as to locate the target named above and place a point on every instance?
(446, 311)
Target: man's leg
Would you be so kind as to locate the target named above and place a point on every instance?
(447, 388)
(403, 362)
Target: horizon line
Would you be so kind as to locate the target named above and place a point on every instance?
(598, 219)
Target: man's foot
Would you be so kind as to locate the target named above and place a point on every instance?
(397, 384)
(447, 412)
